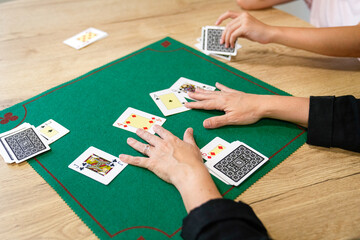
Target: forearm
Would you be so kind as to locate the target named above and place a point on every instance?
(287, 108)
(197, 189)
(259, 4)
(335, 41)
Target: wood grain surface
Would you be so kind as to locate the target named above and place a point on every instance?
(314, 194)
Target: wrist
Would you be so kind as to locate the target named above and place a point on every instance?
(273, 34)
(197, 189)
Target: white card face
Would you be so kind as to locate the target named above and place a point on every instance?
(98, 165)
(24, 144)
(185, 85)
(132, 119)
(212, 150)
(51, 131)
(5, 153)
(238, 163)
(85, 38)
(212, 41)
(169, 102)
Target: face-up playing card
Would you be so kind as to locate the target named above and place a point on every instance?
(184, 85)
(211, 150)
(24, 144)
(211, 38)
(237, 163)
(169, 102)
(51, 131)
(85, 38)
(132, 119)
(98, 165)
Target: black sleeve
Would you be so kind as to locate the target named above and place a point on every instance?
(334, 122)
(223, 219)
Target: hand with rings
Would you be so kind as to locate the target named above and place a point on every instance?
(175, 161)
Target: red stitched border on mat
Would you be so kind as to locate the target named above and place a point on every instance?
(146, 49)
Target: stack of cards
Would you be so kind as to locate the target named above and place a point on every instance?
(171, 101)
(209, 43)
(98, 165)
(85, 38)
(21, 144)
(231, 163)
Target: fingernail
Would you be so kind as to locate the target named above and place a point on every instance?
(122, 157)
(130, 140)
(221, 41)
(206, 124)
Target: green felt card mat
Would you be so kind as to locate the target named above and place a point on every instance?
(137, 204)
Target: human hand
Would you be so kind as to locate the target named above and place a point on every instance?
(177, 162)
(240, 108)
(246, 26)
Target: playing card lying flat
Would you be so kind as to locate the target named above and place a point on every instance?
(169, 101)
(85, 38)
(51, 131)
(132, 119)
(21, 144)
(231, 163)
(185, 85)
(98, 165)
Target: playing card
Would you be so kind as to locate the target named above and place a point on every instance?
(169, 102)
(211, 42)
(132, 119)
(5, 153)
(184, 85)
(237, 163)
(24, 144)
(98, 165)
(85, 38)
(211, 150)
(51, 131)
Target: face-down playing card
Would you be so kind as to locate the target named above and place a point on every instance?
(237, 163)
(132, 119)
(212, 41)
(98, 165)
(23, 144)
(169, 102)
(185, 85)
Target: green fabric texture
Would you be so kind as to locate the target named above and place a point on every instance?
(137, 204)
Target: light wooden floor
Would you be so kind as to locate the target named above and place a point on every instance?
(314, 194)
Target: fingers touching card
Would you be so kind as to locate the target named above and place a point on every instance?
(170, 102)
(185, 85)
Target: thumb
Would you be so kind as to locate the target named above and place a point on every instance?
(189, 136)
(216, 122)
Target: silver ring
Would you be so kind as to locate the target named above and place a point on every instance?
(147, 148)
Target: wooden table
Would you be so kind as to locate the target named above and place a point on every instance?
(314, 194)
